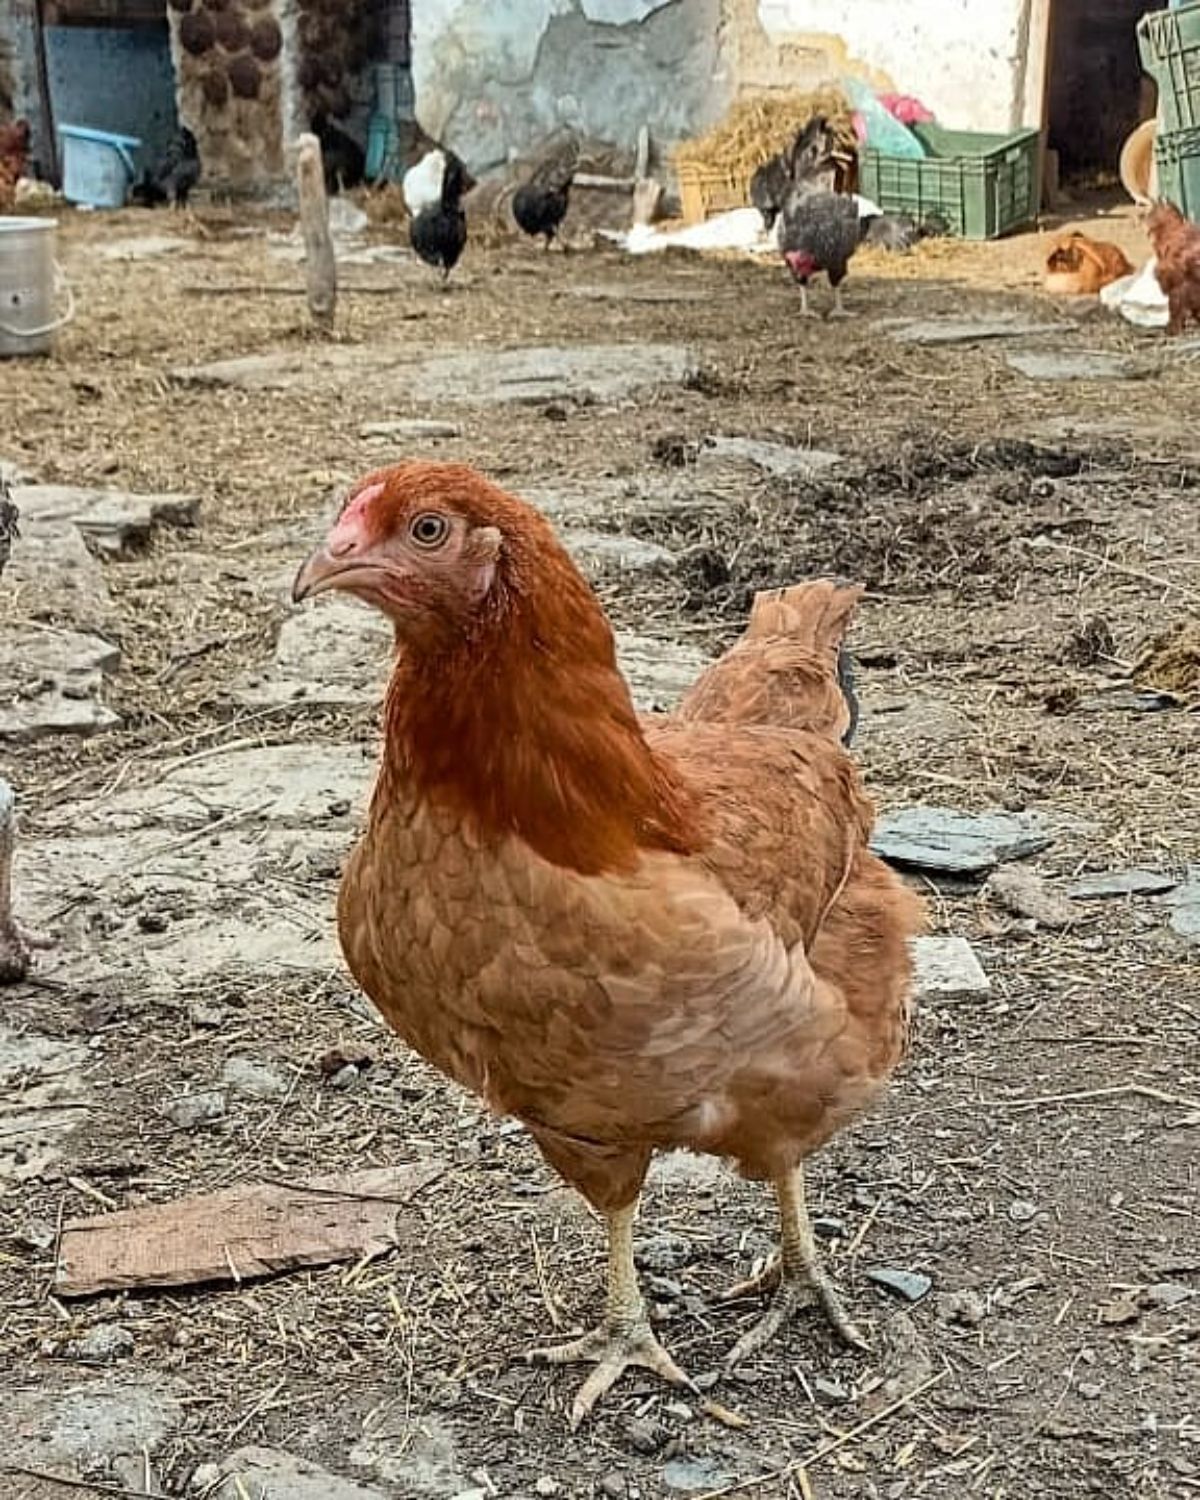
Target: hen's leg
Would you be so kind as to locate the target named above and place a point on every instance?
(796, 1275)
(838, 310)
(625, 1338)
(805, 310)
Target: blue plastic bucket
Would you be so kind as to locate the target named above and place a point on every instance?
(97, 166)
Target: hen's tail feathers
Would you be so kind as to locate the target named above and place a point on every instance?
(791, 669)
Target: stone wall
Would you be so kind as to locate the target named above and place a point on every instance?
(336, 41)
(229, 62)
(493, 80)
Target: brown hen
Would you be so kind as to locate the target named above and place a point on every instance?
(1176, 242)
(630, 934)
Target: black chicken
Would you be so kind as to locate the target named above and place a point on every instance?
(540, 205)
(813, 156)
(818, 231)
(438, 228)
(344, 160)
(176, 174)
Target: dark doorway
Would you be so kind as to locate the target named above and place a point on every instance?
(1097, 91)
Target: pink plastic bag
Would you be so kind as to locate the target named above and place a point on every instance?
(906, 109)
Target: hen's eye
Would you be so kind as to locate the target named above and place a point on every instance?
(429, 530)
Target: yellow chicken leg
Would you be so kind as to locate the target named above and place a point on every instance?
(625, 1338)
(796, 1275)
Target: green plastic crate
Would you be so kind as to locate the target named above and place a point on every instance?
(1177, 157)
(1169, 41)
(983, 185)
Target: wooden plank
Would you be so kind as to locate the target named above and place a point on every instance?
(320, 264)
(255, 1229)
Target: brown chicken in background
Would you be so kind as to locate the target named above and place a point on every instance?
(630, 934)
(14, 160)
(1079, 266)
(1176, 242)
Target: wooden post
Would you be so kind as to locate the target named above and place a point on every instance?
(320, 265)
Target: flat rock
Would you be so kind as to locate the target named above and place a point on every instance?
(252, 1080)
(1107, 883)
(292, 786)
(1020, 891)
(412, 1458)
(45, 1079)
(144, 247)
(777, 459)
(947, 969)
(693, 1476)
(89, 1422)
(623, 291)
(1074, 364)
(1185, 903)
(957, 843)
(418, 428)
(55, 577)
(658, 672)
(112, 522)
(910, 1285)
(599, 552)
(598, 372)
(50, 683)
(284, 1476)
(336, 653)
(956, 330)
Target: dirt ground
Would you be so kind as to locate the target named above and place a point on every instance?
(1022, 541)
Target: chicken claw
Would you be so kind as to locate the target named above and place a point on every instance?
(614, 1348)
(797, 1278)
(625, 1338)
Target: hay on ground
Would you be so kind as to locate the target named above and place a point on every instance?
(758, 127)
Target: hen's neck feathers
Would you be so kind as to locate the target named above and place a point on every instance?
(525, 727)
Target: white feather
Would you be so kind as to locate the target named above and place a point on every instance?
(422, 184)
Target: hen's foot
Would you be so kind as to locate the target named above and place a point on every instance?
(793, 1293)
(796, 1276)
(613, 1349)
(839, 313)
(16, 945)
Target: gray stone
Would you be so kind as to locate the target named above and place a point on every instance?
(52, 682)
(1107, 883)
(1167, 1294)
(624, 291)
(966, 1308)
(282, 1476)
(1072, 364)
(418, 428)
(600, 551)
(664, 1252)
(1018, 890)
(56, 577)
(597, 372)
(144, 247)
(957, 843)
(777, 459)
(89, 1423)
(193, 1111)
(658, 672)
(113, 522)
(910, 1285)
(696, 1475)
(1022, 1211)
(1185, 901)
(337, 653)
(252, 1080)
(45, 1080)
(413, 1459)
(947, 969)
(957, 330)
(687, 1171)
(102, 1344)
(831, 1392)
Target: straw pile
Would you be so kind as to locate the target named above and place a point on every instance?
(758, 127)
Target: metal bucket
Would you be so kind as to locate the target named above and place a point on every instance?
(29, 285)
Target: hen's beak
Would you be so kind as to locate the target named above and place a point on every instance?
(317, 574)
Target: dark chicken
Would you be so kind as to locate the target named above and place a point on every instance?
(14, 160)
(632, 934)
(818, 231)
(343, 159)
(540, 205)
(438, 229)
(813, 156)
(174, 177)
